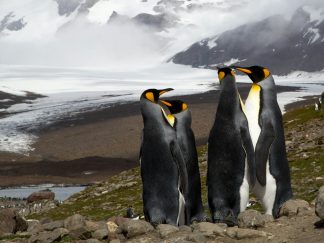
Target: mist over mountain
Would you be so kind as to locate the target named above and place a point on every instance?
(275, 42)
(122, 34)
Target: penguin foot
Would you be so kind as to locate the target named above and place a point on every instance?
(225, 216)
(199, 218)
(155, 223)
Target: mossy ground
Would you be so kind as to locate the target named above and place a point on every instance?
(100, 202)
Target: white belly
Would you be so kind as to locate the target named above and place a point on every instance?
(265, 193)
(252, 108)
(244, 190)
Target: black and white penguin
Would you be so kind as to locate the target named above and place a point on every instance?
(273, 186)
(186, 139)
(163, 169)
(231, 168)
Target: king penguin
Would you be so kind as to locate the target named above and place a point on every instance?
(273, 186)
(163, 169)
(186, 139)
(231, 168)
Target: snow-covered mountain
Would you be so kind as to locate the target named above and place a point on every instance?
(275, 42)
(136, 34)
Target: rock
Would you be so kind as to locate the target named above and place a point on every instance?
(196, 238)
(54, 225)
(92, 226)
(11, 221)
(290, 208)
(267, 218)
(49, 236)
(41, 195)
(35, 227)
(250, 219)
(92, 241)
(185, 228)
(112, 230)
(118, 220)
(81, 233)
(209, 229)
(319, 203)
(100, 234)
(74, 222)
(114, 241)
(133, 228)
(166, 229)
(238, 233)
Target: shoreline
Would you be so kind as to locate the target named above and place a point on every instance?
(100, 144)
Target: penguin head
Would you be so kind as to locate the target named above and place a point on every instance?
(175, 106)
(224, 72)
(256, 73)
(150, 101)
(153, 95)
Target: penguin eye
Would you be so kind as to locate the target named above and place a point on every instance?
(150, 96)
(266, 72)
(221, 75)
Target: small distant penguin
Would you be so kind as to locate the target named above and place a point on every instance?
(163, 169)
(131, 214)
(273, 186)
(231, 168)
(316, 106)
(186, 139)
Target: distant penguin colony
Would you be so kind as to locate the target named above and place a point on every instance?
(246, 153)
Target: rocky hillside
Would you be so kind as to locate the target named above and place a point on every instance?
(275, 42)
(103, 205)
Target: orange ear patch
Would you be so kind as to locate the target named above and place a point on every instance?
(266, 72)
(221, 75)
(150, 96)
(184, 106)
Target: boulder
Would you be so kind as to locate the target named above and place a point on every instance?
(250, 219)
(11, 222)
(132, 228)
(112, 230)
(74, 222)
(210, 229)
(100, 234)
(291, 207)
(81, 233)
(319, 203)
(166, 229)
(54, 225)
(238, 233)
(49, 236)
(41, 195)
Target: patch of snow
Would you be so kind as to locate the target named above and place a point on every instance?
(315, 14)
(212, 42)
(232, 61)
(314, 35)
(13, 91)
(5, 100)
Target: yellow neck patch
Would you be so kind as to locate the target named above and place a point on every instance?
(150, 96)
(170, 118)
(255, 88)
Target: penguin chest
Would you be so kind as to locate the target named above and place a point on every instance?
(252, 111)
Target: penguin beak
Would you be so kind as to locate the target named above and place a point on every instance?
(244, 70)
(162, 91)
(166, 103)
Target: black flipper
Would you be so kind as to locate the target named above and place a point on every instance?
(249, 150)
(262, 149)
(178, 159)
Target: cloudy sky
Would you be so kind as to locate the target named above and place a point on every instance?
(87, 41)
